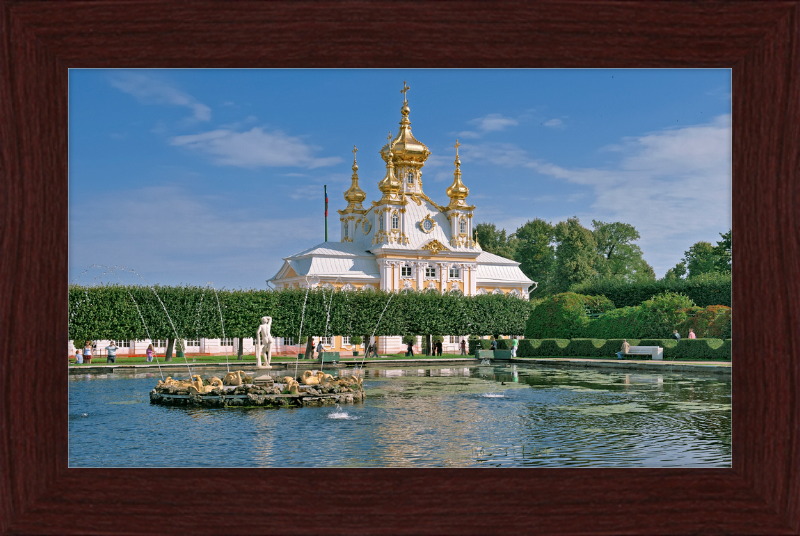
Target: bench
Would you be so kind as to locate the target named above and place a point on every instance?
(655, 352)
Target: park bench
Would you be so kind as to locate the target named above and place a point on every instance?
(655, 352)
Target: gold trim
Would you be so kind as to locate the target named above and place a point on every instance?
(421, 224)
(366, 226)
(434, 246)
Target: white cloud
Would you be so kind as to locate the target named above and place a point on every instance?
(149, 90)
(254, 148)
(554, 123)
(494, 122)
(464, 134)
(673, 185)
(162, 231)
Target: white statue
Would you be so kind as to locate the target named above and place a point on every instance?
(264, 342)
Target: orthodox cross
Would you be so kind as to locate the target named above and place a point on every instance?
(457, 145)
(404, 91)
(355, 150)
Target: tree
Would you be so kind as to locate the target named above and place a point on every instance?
(723, 251)
(536, 252)
(677, 272)
(494, 241)
(700, 259)
(618, 256)
(576, 255)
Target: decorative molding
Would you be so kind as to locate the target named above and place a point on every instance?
(421, 224)
(434, 246)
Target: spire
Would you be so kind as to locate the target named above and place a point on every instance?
(457, 192)
(405, 147)
(389, 185)
(354, 195)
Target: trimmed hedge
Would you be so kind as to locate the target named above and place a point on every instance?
(564, 315)
(688, 349)
(704, 290)
(479, 344)
(504, 344)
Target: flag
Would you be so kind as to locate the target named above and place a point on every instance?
(326, 200)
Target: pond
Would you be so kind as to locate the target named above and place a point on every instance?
(478, 416)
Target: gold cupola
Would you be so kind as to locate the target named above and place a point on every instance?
(390, 185)
(405, 148)
(354, 195)
(457, 192)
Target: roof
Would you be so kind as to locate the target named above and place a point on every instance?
(490, 258)
(333, 249)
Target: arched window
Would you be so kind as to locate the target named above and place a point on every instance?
(380, 225)
(346, 230)
(395, 221)
(410, 177)
(463, 226)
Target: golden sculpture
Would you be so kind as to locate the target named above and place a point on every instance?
(434, 246)
(234, 378)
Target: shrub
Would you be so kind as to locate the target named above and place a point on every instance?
(562, 315)
(616, 324)
(356, 340)
(553, 347)
(504, 344)
(698, 349)
(437, 338)
(528, 347)
(707, 323)
(409, 339)
(586, 347)
(662, 314)
(704, 290)
(478, 343)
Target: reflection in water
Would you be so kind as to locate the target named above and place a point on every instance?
(502, 416)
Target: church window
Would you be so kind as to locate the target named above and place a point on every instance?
(405, 271)
(427, 225)
(410, 178)
(455, 273)
(430, 271)
(463, 226)
(346, 229)
(381, 222)
(395, 221)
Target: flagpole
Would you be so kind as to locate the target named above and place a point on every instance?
(326, 213)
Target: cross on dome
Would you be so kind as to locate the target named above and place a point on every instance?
(457, 145)
(355, 150)
(404, 91)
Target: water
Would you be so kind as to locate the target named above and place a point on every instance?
(420, 417)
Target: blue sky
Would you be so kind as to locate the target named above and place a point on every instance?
(197, 176)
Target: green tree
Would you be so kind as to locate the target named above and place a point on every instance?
(723, 251)
(676, 272)
(494, 241)
(618, 256)
(536, 252)
(576, 255)
(700, 259)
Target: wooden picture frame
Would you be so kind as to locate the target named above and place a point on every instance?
(41, 40)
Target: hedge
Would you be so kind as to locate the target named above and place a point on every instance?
(135, 312)
(564, 315)
(688, 349)
(703, 290)
(478, 343)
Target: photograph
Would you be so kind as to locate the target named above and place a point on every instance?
(400, 268)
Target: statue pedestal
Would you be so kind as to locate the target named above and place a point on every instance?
(263, 367)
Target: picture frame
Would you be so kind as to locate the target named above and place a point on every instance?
(42, 40)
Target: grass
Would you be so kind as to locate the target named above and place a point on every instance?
(217, 359)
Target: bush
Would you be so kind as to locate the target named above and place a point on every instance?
(478, 343)
(356, 340)
(528, 347)
(699, 349)
(710, 322)
(586, 347)
(553, 347)
(616, 324)
(504, 344)
(662, 314)
(704, 290)
(563, 315)
(409, 339)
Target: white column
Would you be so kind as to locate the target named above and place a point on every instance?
(396, 270)
(421, 274)
(442, 277)
(473, 276)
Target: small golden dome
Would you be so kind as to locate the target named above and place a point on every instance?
(354, 195)
(405, 147)
(457, 192)
(389, 185)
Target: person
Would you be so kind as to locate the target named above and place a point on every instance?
(88, 350)
(463, 347)
(149, 352)
(625, 348)
(320, 349)
(438, 347)
(78, 356)
(410, 350)
(691, 334)
(676, 335)
(514, 345)
(493, 346)
(112, 353)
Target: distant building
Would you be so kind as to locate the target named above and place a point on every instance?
(404, 241)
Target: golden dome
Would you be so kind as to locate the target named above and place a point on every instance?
(405, 147)
(457, 192)
(389, 185)
(354, 195)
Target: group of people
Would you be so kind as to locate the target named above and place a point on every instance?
(85, 355)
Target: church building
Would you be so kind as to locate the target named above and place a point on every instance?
(404, 241)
